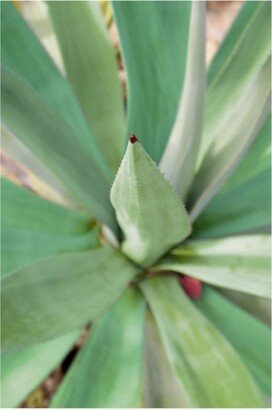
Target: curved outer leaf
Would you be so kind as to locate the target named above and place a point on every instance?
(24, 370)
(41, 179)
(240, 263)
(241, 210)
(234, 71)
(33, 228)
(107, 371)
(257, 306)
(209, 371)
(251, 338)
(179, 158)
(23, 54)
(160, 385)
(32, 120)
(244, 202)
(154, 38)
(61, 293)
(37, 18)
(92, 71)
(234, 38)
(232, 142)
(148, 210)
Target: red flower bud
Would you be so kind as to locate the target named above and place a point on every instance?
(192, 287)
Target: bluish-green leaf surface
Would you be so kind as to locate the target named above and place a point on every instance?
(240, 262)
(179, 158)
(33, 228)
(257, 306)
(234, 37)
(227, 149)
(40, 178)
(149, 212)
(108, 370)
(61, 293)
(237, 101)
(209, 371)
(153, 36)
(92, 72)
(235, 68)
(25, 56)
(251, 338)
(54, 141)
(244, 202)
(22, 371)
(161, 387)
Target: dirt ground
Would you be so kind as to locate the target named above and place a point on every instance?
(220, 15)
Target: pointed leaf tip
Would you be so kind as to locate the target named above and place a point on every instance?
(133, 138)
(149, 212)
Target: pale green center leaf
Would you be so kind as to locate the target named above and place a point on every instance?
(150, 213)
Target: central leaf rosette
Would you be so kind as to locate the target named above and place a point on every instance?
(150, 213)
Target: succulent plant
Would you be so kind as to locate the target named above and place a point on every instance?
(152, 222)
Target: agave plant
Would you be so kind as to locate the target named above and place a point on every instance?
(167, 261)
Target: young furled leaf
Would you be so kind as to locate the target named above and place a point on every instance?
(148, 210)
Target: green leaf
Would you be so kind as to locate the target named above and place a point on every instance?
(235, 38)
(33, 228)
(92, 71)
(107, 371)
(149, 212)
(179, 158)
(154, 41)
(240, 210)
(227, 149)
(209, 371)
(256, 161)
(23, 54)
(235, 69)
(248, 336)
(32, 120)
(244, 202)
(41, 178)
(58, 294)
(160, 385)
(240, 263)
(257, 306)
(24, 370)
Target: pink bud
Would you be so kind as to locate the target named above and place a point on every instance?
(192, 287)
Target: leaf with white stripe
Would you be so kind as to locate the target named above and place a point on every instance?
(239, 263)
(179, 158)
